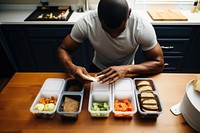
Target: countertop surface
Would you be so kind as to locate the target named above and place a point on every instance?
(17, 16)
(19, 94)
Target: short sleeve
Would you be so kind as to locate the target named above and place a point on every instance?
(79, 31)
(146, 36)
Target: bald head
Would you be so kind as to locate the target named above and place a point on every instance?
(113, 12)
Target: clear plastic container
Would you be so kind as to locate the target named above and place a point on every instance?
(125, 113)
(124, 84)
(147, 113)
(104, 109)
(99, 88)
(123, 90)
(51, 88)
(100, 103)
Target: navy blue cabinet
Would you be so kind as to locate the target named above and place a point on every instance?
(192, 63)
(34, 47)
(175, 42)
(18, 48)
(6, 67)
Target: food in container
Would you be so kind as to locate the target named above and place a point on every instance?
(70, 101)
(45, 103)
(147, 97)
(124, 103)
(99, 105)
(123, 106)
(70, 105)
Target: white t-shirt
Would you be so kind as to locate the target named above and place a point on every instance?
(114, 51)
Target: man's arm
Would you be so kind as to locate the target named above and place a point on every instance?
(65, 49)
(64, 53)
(154, 64)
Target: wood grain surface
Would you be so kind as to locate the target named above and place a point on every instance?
(18, 96)
(166, 15)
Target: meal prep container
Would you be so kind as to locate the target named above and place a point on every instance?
(70, 115)
(123, 89)
(75, 90)
(96, 98)
(100, 93)
(148, 114)
(73, 86)
(51, 87)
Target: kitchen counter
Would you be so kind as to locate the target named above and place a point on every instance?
(20, 92)
(18, 15)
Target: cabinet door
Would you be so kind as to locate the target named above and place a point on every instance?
(18, 48)
(34, 47)
(193, 61)
(6, 67)
(173, 63)
(43, 43)
(175, 43)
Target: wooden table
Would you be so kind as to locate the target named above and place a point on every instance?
(19, 94)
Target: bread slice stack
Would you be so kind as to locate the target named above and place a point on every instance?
(147, 98)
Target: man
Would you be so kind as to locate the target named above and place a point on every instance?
(115, 34)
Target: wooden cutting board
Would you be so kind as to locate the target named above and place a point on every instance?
(166, 15)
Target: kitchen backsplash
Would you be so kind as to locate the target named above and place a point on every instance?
(37, 1)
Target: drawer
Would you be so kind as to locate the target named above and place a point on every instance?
(173, 63)
(173, 31)
(174, 46)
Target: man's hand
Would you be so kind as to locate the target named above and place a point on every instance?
(82, 75)
(112, 74)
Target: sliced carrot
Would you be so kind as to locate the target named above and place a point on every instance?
(123, 106)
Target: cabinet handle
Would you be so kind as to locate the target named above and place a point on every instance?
(166, 64)
(165, 47)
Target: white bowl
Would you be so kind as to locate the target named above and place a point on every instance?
(190, 106)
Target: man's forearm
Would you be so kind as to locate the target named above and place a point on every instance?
(65, 58)
(148, 67)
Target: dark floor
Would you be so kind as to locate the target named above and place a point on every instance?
(3, 82)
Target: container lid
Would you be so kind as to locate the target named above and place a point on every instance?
(124, 84)
(53, 84)
(96, 86)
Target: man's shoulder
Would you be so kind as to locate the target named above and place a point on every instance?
(91, 15)
(138, 20)
(135, 16)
